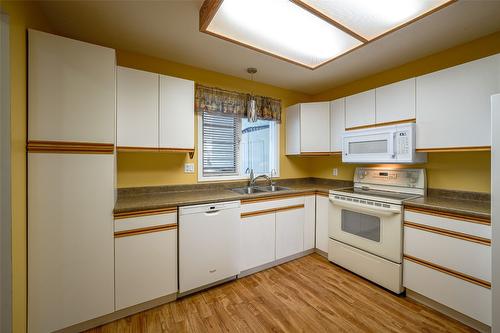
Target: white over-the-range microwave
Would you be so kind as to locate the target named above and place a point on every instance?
(386, 144)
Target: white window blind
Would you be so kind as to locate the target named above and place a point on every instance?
(221, 140)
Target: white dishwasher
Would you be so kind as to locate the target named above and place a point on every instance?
(209, 238)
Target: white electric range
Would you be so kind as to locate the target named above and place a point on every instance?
(366, 225)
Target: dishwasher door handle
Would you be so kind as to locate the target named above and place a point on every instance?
(212, 212)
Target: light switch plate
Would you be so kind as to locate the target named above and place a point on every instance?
(189, 168)
(335, 172)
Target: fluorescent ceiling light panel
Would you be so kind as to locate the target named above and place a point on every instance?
(372, 18)
(281, 28)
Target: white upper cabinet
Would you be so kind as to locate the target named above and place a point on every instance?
(315, 127)
(154, 111)
(395, 102)
(176, 113)
(308, 128)
(71, 90)
(293, 130)
(337, 124)
(137, 105)
(453, 105)
(360, 109)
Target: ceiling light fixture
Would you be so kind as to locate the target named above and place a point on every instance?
(309, 33)
(251, 103)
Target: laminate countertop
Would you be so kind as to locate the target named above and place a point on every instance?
(158, 197)
(152, 198)
(454, 202)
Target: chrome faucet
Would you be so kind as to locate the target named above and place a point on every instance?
(253, 179)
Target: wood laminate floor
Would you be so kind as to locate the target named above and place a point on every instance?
(305, 295)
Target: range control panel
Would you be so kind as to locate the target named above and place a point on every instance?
(413, 178)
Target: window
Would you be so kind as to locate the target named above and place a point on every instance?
(231, 146)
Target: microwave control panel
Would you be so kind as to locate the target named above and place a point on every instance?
(402, 142)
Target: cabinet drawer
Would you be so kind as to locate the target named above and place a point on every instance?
(145, 267)
(149, 221)
(473, 227)
(467, 257)
(270, 203)
(463, 296)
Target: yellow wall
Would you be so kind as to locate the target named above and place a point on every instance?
(469, 171)
(143, 169)
(22, 15)
(459, 171)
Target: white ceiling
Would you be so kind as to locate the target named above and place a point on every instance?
(169, 30)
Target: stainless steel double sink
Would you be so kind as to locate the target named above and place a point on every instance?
(259, 189)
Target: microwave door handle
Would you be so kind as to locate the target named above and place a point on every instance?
(391, 145)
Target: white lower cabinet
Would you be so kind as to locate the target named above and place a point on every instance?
(462, 296)
(273, 229)
(309, 222)
(322, 215)
(258, 238)
(145, 262)
(289, 232)
(449, 261)
(70, 239)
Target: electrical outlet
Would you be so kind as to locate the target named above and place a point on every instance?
(189, 168)
(335, 172)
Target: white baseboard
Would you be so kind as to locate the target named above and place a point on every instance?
(274, 263)
(119, 314)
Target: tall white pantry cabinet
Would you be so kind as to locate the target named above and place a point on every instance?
(71, 135)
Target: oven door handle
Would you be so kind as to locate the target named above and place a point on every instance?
(383, 211)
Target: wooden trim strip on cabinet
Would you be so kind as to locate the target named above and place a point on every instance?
(271, 210)
(449, 233)
(412, 120)
(321, 153)
(277, 197)
(322, 194)
(448, 271)
(67, 147)
(153, 149)
(146, 230)
(453, 149)
(138, 213)
(472, 219)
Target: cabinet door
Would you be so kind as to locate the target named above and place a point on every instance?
(292, 121)
(395, 102)
(137, 108)
(315, 127)
(71, 90)
(257, 240)
(289, 232)
(309, 221)
(145, 267)
(176, 113)
(70, 239)
(337, 124)
(453, 105)
(322, 215)
(360, 109)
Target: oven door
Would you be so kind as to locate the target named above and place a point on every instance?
(375, 229)
(369, 147)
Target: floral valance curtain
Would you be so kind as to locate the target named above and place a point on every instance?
(222, 101)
